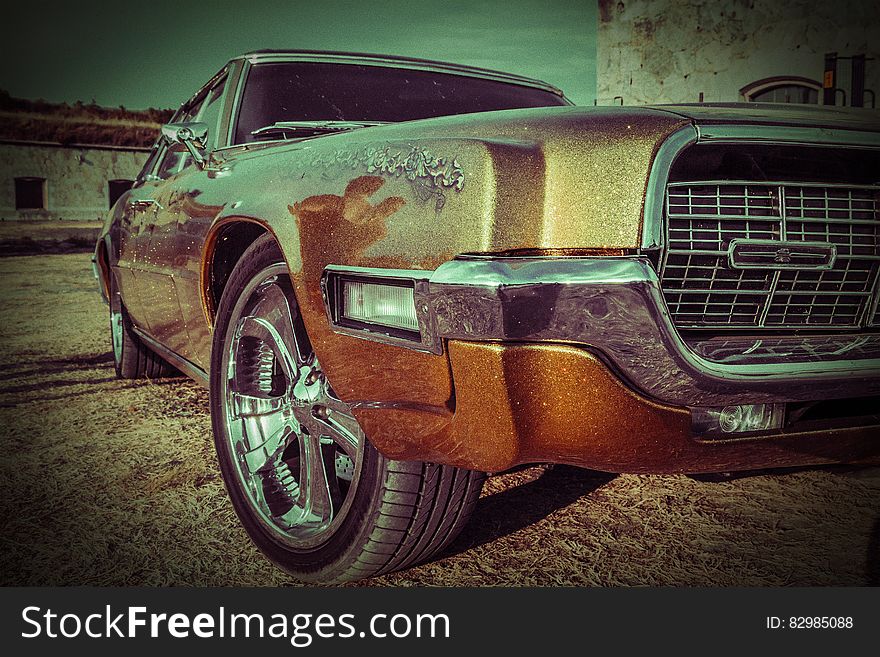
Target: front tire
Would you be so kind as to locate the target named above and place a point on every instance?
(312, 492)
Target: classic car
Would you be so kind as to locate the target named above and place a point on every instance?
(396, 275)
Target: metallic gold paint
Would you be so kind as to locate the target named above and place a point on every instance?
(533, 179)
(551, 403)
(555, 178)
(534, 403)
(340, 228)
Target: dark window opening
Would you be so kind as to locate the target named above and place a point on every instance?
(30, 193)
(777, 163)
(116, 188)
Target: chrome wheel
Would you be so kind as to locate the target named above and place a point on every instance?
(116, 327)
(116, 333)
(297, 449)
(308, 486)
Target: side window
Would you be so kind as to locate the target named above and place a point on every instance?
(148, 165)
(158, 152)
(175, 157)
(173, 161)
(210, 113)
(116, 188)
(206, 109)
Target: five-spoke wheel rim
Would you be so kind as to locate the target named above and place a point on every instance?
(296, 448)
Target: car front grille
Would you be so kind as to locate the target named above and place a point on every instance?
(706, 287)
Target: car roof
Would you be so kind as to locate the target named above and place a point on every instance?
(394, 61)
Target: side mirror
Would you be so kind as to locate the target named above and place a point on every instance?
(193, 135)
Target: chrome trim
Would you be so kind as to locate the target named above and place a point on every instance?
(192, 370)
(192, 134)
(144, 203)
(230, 86)
(389, 61)
(655, 196)
(781, 134)
(774, 183)
(755, 350)
(652, 215)
(427, 340)
(238, 92)
(214, 135)
(615, 307)
(781, 255)
(706, 221)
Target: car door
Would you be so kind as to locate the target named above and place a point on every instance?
(177, 227)
(131, 242)
(202, 195)
(156, 261)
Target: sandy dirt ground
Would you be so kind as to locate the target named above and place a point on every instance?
(108, 482)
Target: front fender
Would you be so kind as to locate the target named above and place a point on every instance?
(413, 196)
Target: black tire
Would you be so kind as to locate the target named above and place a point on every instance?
(398, 513)
(131, 357)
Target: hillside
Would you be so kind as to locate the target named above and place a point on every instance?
(38, 120)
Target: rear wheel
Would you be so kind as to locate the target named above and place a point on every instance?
(310, 489)
(131, 357)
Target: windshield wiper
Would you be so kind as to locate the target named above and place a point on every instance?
(312, 128)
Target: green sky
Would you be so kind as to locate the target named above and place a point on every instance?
(157, 53)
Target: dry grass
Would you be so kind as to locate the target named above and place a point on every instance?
(78, 123)
(107, 482)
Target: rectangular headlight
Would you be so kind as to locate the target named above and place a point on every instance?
(385, 304)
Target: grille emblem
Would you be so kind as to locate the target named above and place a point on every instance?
(771, 254)
(783, 256)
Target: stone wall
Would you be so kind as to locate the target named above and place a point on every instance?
(668, 51)
(76, 178)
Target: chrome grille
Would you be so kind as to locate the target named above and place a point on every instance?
(704, 290)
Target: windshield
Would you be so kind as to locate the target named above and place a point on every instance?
(309, 91)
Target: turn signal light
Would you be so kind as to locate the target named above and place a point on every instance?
(731, 420)
(379, 303)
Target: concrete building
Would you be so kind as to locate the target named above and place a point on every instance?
(45, 181)
(675, 51)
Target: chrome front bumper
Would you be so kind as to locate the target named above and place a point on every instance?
(614, 307)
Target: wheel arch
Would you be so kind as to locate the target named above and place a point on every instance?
(102, 267)
(224, 246)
